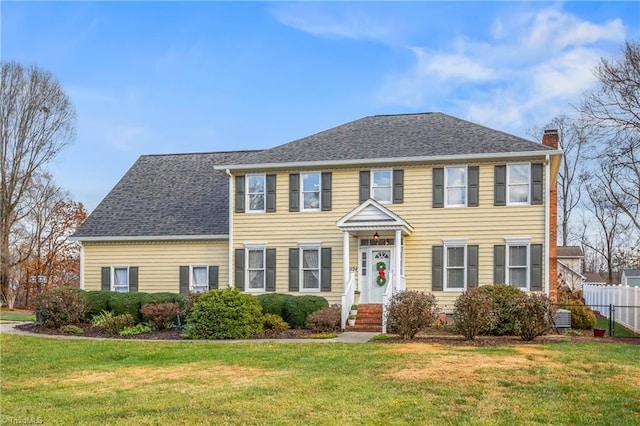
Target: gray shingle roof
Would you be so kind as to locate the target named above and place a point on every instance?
(570, 251)
(397, 136)
(167, 195)
(632, 272)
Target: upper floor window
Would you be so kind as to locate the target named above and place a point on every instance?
(256, 192)
(310, 194)
(455, 186)
(199, 278)
(518, 181)
(120, 279)
(381, 186)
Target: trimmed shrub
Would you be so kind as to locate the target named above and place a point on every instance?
(411, 312)
(274, 324)
(298, 308)
(505, 298)
(325, 320)
(60, 306)
(136, 329)
(225, 314)
(473, 313)
(582, 317)
(71, 329)
(112, 324)
(97, 301)
(161, 315)
(533, 316)
(126, 303)
(273, 303)
(155, 298)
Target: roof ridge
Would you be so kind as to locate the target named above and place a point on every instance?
(242, 151)
(406, 113)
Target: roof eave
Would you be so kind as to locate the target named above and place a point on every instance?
(150, 238)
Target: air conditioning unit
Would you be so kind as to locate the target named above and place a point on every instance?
(562, 320)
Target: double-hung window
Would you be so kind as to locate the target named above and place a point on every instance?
(256, 193)
(310, 194)
(382, 186)
(455, 263)
(120, 279)
(518, 182)
(518, 265)
(255, 268)
(455, 181)
(199, 278)
(310, 268)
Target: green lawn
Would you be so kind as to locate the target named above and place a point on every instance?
(618, 331)
(98, 382)
(16, 316)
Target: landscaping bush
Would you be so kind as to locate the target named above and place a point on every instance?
(136, 329)
(411, 311)
(187, 305)
(155, 298)
(97, 301)
(582, 317)
(473, 313)
(325, 320)
(533, 316)
(60, 306)
(273, 303)
(112, 324)
(71, 329)
(225, 314)
(505, 298)
(274, 324)
(298, 308)
(126, 303)
(161, 315)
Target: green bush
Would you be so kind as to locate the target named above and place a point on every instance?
(410, 312)
(225, 314)
(298, 308)
(126, 303)
(273, 303)
(505, 298)
(136, 329)
(185, 308)
(582, 317)
(473, 313)
(97, 301)
(60, 306)
(161, 315)
(112, 324)
(155, 298)
(325, 320)
(71, 329)
(533, 316)
(274, 324)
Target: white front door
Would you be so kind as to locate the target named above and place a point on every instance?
(378, 276)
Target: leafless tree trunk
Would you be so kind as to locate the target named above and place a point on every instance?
(36, 121)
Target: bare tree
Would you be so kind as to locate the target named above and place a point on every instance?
(614, 107)
(36, 121)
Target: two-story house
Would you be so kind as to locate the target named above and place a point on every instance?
(424, 202)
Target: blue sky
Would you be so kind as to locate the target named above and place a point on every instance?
(167, 77)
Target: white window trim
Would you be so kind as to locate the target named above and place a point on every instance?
(302, 208)
(528, 202)
(450, 243)
(466, 186)
(247, 248)
(518, 241)
(371, 186)
(191, 283)
(309, 245)
(248, 195)
(113, 277)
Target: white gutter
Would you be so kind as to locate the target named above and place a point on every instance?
(150, 238)
(81, 266)
(404, 160)
(547, 178)
(230, 226)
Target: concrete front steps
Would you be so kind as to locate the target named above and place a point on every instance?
(369, 318)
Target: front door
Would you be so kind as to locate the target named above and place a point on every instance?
(378, 275)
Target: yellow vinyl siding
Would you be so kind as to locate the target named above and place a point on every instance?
(158, 262)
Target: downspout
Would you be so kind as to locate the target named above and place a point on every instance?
(547, 208)
(230, 226)
(81, 265)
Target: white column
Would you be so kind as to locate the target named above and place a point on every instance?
(345, 257)
(397, 258)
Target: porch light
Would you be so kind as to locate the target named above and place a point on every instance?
(376, 237)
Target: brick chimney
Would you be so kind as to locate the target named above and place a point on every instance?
(550, 138)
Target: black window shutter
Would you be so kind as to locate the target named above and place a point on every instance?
(398, 186)
(239, 194)
(184, 280)
(271, 193)
(105, 278)
(325, 273)
(498, 264)
(271, 270)
(438, 187)
(500, 186)
(325, 201)
(294, 192)
(437, 270)
(472, 266)
(213, 277)
(536, 267)
(473, 178)
(239, 279)
(365, 177)
(294, 275)
(133, 279)
(536, 184)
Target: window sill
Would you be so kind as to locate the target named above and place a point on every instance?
(309, 290)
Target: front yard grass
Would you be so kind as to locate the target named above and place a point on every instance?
(7, 315)
(143, 382)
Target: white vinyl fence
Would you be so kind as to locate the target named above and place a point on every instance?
(620, 300)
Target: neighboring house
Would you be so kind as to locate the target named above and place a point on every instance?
(442, 204)
(570, 267)
(631, 277)
(601, 278)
